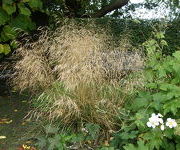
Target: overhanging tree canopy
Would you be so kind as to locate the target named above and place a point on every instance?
(24, 15)
(98, 8)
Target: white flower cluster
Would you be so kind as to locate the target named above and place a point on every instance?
(156, 120)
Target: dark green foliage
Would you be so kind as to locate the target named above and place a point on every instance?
(173, 36)
(15, 16)
(160, 95)
(53, 139)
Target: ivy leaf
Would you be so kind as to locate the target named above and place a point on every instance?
(35, 4)
(4, 17)
(24, 10)
(10, 9)
(14, 44)
(23, 22)
(5, 49)
(8, 33)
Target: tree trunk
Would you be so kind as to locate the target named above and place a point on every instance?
(116, 5)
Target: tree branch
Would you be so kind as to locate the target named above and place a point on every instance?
(116, 5)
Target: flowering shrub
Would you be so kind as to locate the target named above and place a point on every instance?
(161, 94)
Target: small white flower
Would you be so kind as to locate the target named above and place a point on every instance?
(2, 137)
(153, 115)
(159, 115)
(171, 123)
(154, 121)
(84, 130)
(162, 127)
(161, 120)
(149, 124)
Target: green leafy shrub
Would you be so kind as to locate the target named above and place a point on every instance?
(15, 16)
(159, 95)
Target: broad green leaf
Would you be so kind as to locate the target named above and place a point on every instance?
(140, 103)
(127, 135)
(7, 2)
(24, 10)
(154, 138)
(8, 33)
(4, 17)
(158, 99)
(151, 85)
(10, 9)
(178, 146)
(177, 129)
(168, 133)
(35, 4)
(159, 35)
(140, 146)
(162, 72)
(23, 22)
(164, 43)
(177, 55)
(130, 147)
(168, 145)
(140, 119)
(14, 44)
(5, 49)
(172, 106)
(164, 86)
(176, 67)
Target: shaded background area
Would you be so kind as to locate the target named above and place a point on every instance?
(12, 123)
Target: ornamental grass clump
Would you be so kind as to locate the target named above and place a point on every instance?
(90, 103)
(89, 65)
(32, 72)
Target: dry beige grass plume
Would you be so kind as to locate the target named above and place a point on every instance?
(32, 71)
(84, 60)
